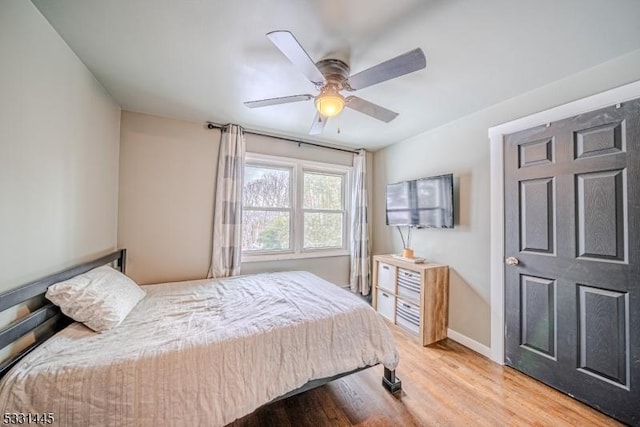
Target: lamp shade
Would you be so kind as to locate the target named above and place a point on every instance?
(329, 105)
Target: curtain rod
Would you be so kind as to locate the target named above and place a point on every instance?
(211, 125)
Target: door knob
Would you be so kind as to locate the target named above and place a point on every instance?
(512, 261)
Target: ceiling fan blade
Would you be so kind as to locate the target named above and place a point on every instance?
(395, 67)
(276, 101)
(318, 125)
(287, 43)
(370, 109)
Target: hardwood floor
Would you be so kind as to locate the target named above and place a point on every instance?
(444, 384)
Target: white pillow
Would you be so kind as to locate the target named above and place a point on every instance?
(100, 298)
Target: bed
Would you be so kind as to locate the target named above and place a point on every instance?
(191, 353)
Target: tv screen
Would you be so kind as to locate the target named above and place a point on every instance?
(424, 202)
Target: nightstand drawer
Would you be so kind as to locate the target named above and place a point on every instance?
(408, 316)
(386, 276)
(408, 284)
(411, 278)
(386, 304)
(404, 291)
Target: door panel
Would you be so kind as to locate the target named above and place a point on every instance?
(599, 140)
(538, 309)
(536, 153)
(572, 219)
(536, 215)
(603, 328)
(601, 222)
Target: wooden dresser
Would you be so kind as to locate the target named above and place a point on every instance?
(413, 296)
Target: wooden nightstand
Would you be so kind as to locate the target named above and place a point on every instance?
(413, 296)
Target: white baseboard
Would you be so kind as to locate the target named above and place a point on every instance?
(470, 343)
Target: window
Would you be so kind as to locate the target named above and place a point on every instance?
(323, 210)
(293, 208)
(266, 208)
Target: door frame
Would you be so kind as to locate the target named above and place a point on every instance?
(496, 140)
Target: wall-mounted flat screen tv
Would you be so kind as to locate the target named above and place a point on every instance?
(424, 202)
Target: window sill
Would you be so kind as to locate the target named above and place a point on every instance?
(293, 256)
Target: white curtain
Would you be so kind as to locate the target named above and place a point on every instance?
(227, 215)
(359, 279)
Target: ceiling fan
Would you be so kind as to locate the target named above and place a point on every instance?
(330, 76)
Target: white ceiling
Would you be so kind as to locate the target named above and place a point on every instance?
(199, 60)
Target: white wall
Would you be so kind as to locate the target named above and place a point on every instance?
(462, 147)
(59, 141)
(167, 184)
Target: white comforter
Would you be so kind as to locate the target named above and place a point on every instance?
(201, 353)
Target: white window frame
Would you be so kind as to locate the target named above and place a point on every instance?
(296, 188)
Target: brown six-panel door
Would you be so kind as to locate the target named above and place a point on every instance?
(572, 242)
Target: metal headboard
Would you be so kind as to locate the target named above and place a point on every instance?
(45, 318)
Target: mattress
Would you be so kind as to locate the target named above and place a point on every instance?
(200, 353)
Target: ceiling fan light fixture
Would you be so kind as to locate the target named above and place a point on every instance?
(329, 104)
(331, 75)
